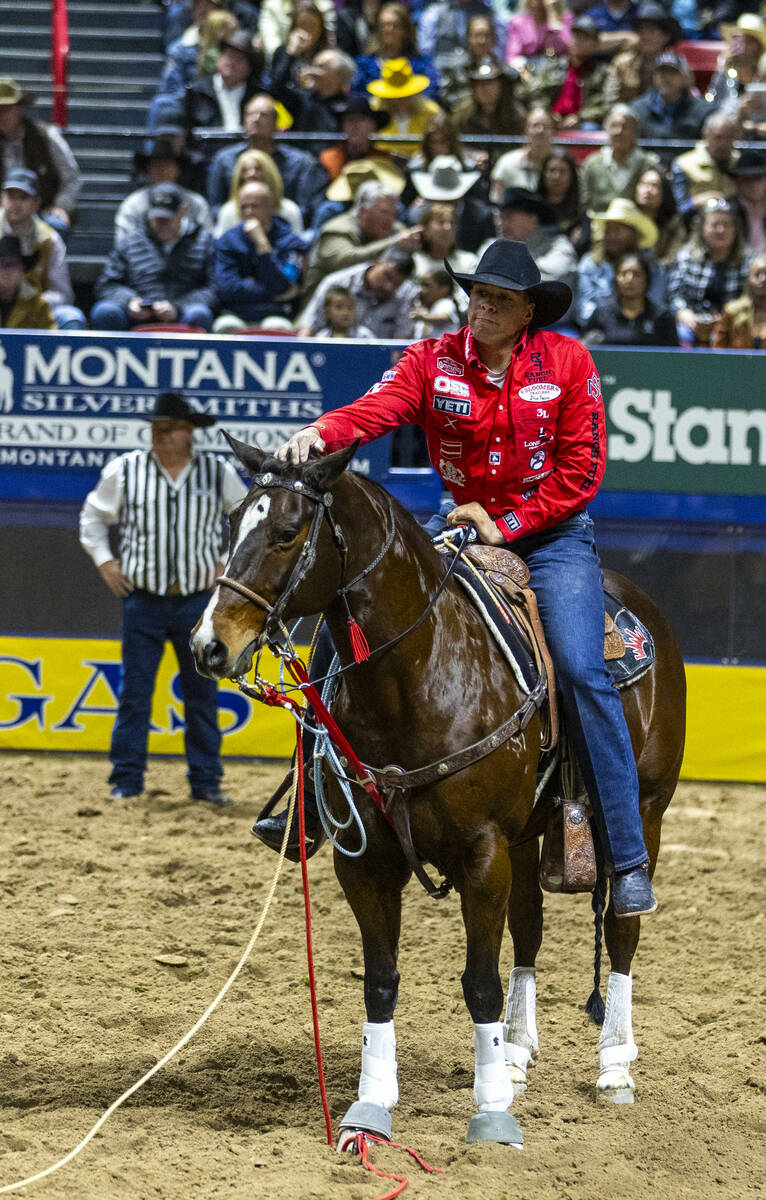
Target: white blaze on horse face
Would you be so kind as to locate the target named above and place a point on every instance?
(206, 632)
(255, 514)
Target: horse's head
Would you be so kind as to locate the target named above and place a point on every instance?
(284, 559)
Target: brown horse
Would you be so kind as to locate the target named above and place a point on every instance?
(440, 689)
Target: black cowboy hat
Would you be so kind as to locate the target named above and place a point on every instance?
(509, 265)
(171, 406)
(359, 106)
(522, 200)
(750, 163)
(162, 149)
(651, 13)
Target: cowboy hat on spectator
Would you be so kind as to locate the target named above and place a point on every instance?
(749, 24)
(11, 93)
(398, 80)
(445, 179)
(626, 213)
(364, 170)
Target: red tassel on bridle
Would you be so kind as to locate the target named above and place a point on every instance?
(359, 645)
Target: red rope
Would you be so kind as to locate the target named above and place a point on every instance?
(360, 1144)
(309, 947)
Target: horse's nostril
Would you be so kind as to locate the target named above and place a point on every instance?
(215, 654)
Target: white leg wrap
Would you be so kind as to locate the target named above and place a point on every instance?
(520, 1026)
(492, 1088)
(377, 1083)
(616, 1048)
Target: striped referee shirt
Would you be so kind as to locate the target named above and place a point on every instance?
(171, 534)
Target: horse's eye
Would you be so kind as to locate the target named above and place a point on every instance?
(283, 537)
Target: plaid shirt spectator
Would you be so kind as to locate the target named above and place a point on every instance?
(689, 279)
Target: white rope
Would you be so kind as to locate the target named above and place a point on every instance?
(11, 1187)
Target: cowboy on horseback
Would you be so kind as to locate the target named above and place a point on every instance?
(514, 420)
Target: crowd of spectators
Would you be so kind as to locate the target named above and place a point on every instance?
(346, 234)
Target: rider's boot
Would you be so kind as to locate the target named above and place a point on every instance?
(632, 892)
(271, 829)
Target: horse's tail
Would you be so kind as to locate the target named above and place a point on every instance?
(595, 1005)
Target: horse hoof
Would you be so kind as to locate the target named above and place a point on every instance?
(616, 1085)
(495, 1127)
(364, 1117)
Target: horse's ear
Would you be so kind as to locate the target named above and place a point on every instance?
(250, 456)
(322, 472)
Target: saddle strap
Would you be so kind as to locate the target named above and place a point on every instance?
(394, 776)
(398, 809)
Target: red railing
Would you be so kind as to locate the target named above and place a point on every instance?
(59, 60)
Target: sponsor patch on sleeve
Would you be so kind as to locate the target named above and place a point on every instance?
(510, 521)
(387, 376)
(594, 386)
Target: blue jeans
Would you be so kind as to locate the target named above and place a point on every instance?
(108, 314)
(565, 574)
(148, 621)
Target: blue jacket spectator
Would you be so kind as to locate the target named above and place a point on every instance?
(395, 36)
(304, 178)
(443, 29)
(622, 229)
(614, 16)
(163, 273)
(258, 264)
(668, 109)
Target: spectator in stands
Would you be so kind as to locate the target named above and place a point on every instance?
(319, 103)
(750, 199)
(197, 57)
(402, 94)
(629, 317)
(383, 290)
(163, 164)
(481, 43)
(614, 18)
(738, 64)
(438, 241)
(669, 109)
(742, 325)
(360, 235)
(184, 18)
(339, 312)
(304, 179)
(162, 274)
(653, 196)
(443, 28)
(521, 168)
(342, 191)
(395, 36)
(631, 72)
(622, 229)
(42, 149)
(306, 38)
(447, 181)
(559, 186)
(356, 25)
(436, 311)
(255, 167)
(45, 267)
(492, 105)
(573, 86)
(21, 305)
(356, 159)
(538, 30)
(258, 263)
(613, 170)
(219, 101)
(524, 216)
(276, 17)
(440, 138)
(709, 270)
(703, 173)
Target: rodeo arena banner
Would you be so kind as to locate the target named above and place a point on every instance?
(687, 450)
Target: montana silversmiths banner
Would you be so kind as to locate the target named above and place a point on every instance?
(71, 402)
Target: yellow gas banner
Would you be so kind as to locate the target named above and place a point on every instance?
(61, 694)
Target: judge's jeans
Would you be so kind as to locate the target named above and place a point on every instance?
(148, 622)
(565, 574)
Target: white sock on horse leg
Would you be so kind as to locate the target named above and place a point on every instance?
(616, 1047)
(520, 1025)
(377, 1083)
(492, 1088)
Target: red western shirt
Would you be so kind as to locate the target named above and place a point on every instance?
(531, 452)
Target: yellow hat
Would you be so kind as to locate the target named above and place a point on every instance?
(397, 80)
(284, 118)
(749, 24)
(627, 213)
(364, 170)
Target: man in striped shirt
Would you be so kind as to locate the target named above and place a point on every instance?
(169, 503)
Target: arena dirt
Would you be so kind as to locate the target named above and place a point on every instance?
(95, 889)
